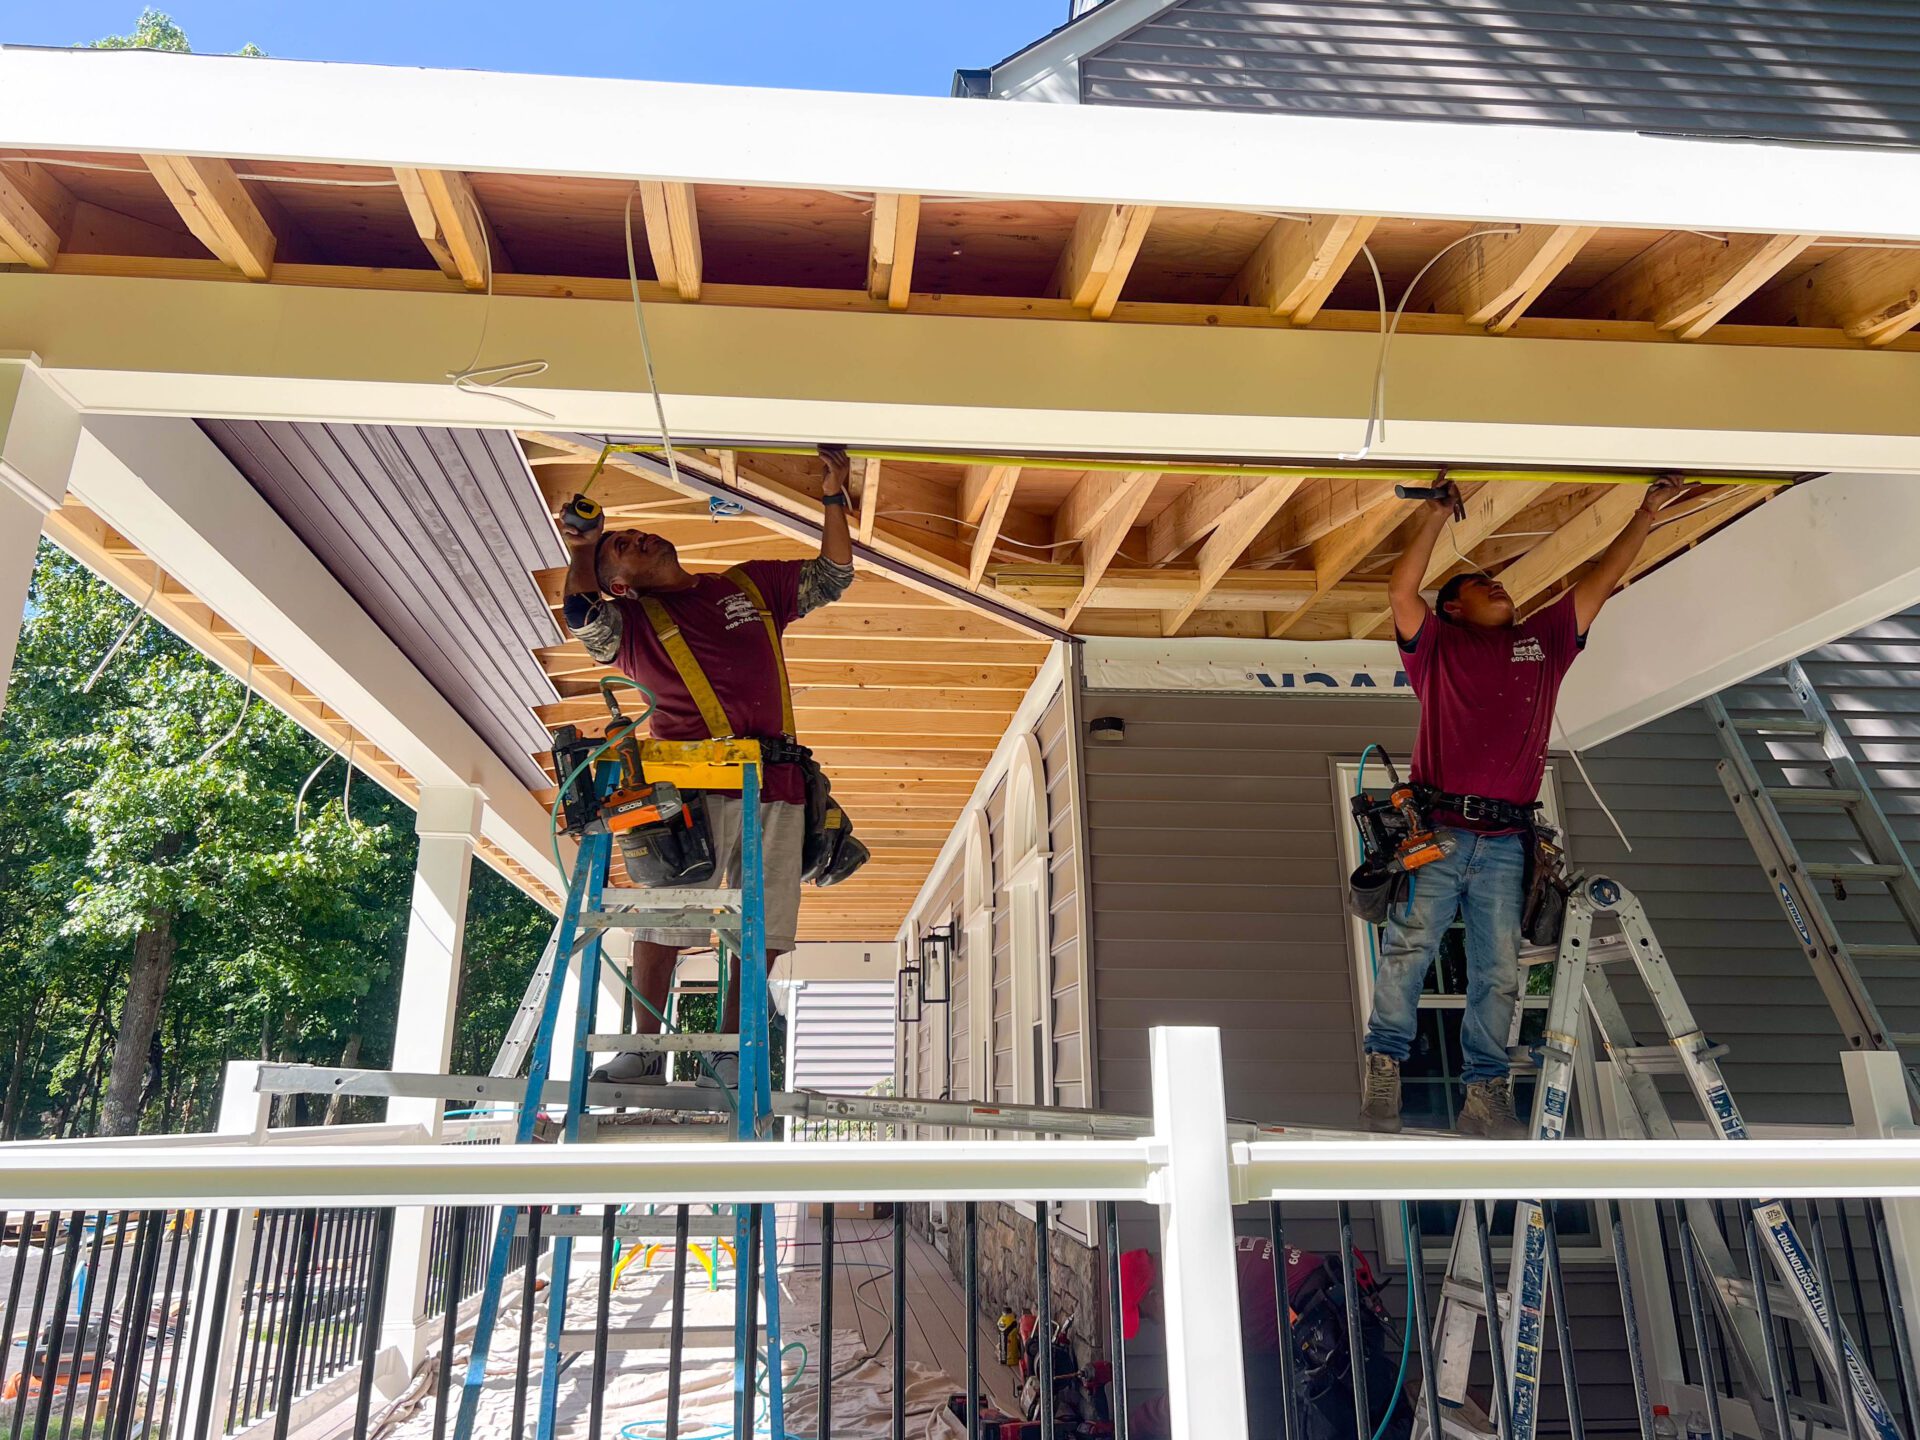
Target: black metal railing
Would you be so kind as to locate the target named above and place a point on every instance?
(1582, 1384)
(303, 1316)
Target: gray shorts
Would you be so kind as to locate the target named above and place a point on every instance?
(783, 833)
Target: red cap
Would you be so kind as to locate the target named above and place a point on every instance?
(1137, 1274)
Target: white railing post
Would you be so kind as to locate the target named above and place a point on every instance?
(243, 1111)
(1877, 1092)
(1199, 1284)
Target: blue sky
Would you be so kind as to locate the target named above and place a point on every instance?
(903, 46)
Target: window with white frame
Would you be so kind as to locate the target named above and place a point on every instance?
(1027, 906)
(977, 907)
(1432, 1087)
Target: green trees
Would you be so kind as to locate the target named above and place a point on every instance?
(157, 30)
(164, 915)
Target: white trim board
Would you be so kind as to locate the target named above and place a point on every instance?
(137, 102)
(1806, 568)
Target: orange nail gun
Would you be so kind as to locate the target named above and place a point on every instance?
(1397, 834)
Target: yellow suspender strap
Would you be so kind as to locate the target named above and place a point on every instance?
(738, 574)
(691, 675)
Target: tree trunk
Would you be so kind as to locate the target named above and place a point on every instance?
(146, 991)
(337, 1104)
(22, 1041)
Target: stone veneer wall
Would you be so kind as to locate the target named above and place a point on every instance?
(1009, 1274)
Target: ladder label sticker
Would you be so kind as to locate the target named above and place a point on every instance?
(1726, 1115)
(1553, 1113)
(1799, 1269)
(1792, 907)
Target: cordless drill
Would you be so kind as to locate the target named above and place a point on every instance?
(1422, 845)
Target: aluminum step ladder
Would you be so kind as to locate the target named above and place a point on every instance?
(1798, 883)
(1467, 1296)
(738, 919)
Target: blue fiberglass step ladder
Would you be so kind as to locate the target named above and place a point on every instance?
(738, 919)
(1582, 988)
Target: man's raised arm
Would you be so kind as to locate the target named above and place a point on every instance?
(825, 580)
(1598, 584)
(1403, 585)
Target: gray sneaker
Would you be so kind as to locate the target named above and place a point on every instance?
(721, 1072)
(1380, 1095)
(633, 1067)
(1489, 1111)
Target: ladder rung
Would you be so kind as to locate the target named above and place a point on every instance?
(660, 1044)
(1907, 1040)
(1884, 952)
(695, 1337)
(1468, 1297)
(1614, 950)
(1778, 725)
(669, 897)
(1855, 872)
(1656, 1059)
(1812, 797)
(683, 919)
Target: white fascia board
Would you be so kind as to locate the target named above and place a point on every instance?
(746, 374)
(1817, 563)
(166, 487)
(136, 102)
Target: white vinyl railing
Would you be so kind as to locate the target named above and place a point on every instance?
(1187, 1169)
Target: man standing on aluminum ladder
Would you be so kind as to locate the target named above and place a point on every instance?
(1487, 683)
(631, 603)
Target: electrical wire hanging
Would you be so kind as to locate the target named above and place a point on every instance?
(121, 639)
(346, 787)
(478, 379)
(300, 800)
(1377, 413)
(246, 704)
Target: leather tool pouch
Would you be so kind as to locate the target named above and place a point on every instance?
(1545, 902)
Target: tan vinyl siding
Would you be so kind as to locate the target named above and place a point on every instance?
(1055, 739)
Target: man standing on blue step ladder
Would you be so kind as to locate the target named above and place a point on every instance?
(708, 648)
(1487, 682)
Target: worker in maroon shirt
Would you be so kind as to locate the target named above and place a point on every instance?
(632, 603)
(1487, 682)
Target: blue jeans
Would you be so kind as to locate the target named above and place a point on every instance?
(1482, 878)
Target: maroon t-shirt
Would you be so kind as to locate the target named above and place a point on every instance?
(1486, 704)
(725, 633)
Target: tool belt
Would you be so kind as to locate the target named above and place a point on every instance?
(1478, 809)
(831, 852)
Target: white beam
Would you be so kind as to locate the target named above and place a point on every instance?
(1882, 1109)
(38, 432)
(167, 488)
(133, 101)
(1816, 563)
(994, 385)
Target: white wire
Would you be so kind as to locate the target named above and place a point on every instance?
(646, 347)
(1592, 789)
(245, 705)
(478, 379)
(114, 649)
(346, 788)
(300, 800)
(1377, 417)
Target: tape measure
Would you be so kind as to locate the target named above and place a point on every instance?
(580, 515)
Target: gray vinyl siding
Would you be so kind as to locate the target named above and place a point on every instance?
(1832, 70)
(436, 533)
(1064, 977)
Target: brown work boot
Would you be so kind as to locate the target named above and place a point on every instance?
(1489, 1111)
(1380, 1095)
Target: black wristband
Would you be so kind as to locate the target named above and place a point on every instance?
(840, 500)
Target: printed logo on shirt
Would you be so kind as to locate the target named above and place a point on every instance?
(737, 610)
(1528, 651)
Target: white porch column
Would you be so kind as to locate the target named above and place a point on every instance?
(447, 822)
(1199, 1283)
(38, 433)
(1877, 1091)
